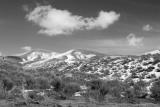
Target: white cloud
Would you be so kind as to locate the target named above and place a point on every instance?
(25, 8)
(26, 48)
(103, 20)
(134, 41)
(147, 27)
(56, 22)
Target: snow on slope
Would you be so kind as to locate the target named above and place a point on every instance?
(85, 65)
(73, 55)
(36, 55)
(40, 57)
(122, 67)
(153, 52)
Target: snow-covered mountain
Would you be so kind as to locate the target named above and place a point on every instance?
(72, 56)
(153, 52)
(87, 65)
(36, 55)
(146, 66)
(83, 65)
(41, 57)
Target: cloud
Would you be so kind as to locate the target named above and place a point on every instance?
(26, 8)
(147, 27)
(103, 20)
(134, 41)
(26, 48)
(1, 54)
(54, 21)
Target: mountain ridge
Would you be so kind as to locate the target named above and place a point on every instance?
(87, 65)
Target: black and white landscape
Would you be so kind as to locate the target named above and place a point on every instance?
(79, 53)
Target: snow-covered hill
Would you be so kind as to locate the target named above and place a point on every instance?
(36, 55)
(36, 58)
(86, 65)
(81, 62)
(146, 67)
(153, 52)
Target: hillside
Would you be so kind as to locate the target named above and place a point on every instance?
(82, 66)
(146, 67)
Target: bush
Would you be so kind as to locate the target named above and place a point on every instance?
(129, 95)
(57, 84)
(140, 90)
(42, 83)
(70, 89)
(34, 96)
(7, 84)
(95, 84)
(30, 83)
(2, 94)
(120, 91)
(134, 91)
(155, 91)
(115, 88)
(97, 90)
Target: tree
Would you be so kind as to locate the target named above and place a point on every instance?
(30, 83)
(97, 89)
(129, 95)
(42, 83)
(2, 94)
(135, 90)
(7, 85)
(155, 90)
(70, 89)
(115, 88)
(95, 84)
(57, 84)
(140, 90)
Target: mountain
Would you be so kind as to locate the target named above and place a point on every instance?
(145, 66)
(40, 57)
(36, 55)
(77, 54)
(153, 52)
(87, 65)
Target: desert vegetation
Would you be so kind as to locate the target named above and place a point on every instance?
(26, 90)
(52, 87)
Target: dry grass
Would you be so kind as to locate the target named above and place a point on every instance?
(73, 103)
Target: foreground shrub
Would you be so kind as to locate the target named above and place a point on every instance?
(7, 84)
(129, 95)
(95, 84)
(42, 83)
(134, 91)
(155, 91)
(2, 94)
(35, 97)
(97, 90)
(57, 84)
(30, 83)
(70, 89)
(116, 88)
(140, 90)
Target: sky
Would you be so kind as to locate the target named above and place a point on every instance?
(114, 27)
